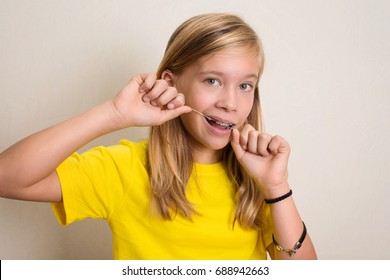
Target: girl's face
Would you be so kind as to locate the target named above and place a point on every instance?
(222, 86)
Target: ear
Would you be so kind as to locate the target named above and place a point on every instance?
(168, 76)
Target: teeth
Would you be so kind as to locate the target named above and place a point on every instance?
(226, 125)
(210, 119)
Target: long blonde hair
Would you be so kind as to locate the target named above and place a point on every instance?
(170, 161)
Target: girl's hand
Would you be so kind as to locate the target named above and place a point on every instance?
(264, 157)
(146, 101)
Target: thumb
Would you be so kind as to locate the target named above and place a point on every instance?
(173, 113)
(235, 142)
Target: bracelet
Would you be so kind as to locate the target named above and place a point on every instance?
(298, 245)
(280, 198)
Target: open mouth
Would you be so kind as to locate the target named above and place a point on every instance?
(219, 124)
(215, 123)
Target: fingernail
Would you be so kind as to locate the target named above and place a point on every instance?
(145, 99)
(170, 106)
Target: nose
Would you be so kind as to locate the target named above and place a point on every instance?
(228, 100)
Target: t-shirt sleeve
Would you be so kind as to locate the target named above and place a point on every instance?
(92, 183)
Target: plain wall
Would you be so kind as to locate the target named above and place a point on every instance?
(325, 89)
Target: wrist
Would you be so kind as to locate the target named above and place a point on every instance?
(113, 119)
(280, 198)
(98, 121)
(276, 191)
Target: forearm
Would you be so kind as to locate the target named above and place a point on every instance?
(35, 157)
(288, 227)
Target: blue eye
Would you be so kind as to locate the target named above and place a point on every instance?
(212, 82)
(246, 87)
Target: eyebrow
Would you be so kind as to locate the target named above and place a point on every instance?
(218, 73)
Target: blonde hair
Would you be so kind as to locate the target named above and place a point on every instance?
(170, 161)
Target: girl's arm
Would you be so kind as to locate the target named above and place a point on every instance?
(288, 228)
(265, 158)
(27, 169)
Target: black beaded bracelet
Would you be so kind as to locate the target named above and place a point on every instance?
(280, 198)
(298, 245)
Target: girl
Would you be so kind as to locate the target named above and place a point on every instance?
(208, 184)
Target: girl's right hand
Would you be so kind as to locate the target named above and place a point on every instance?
(143, 101)
(146, 101)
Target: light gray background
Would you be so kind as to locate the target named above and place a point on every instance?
(324, 89)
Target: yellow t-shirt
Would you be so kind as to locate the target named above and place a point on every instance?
(113, 183)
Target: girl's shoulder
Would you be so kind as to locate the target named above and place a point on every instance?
(138, 150)
(140, 146)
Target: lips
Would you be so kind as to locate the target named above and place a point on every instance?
(219, 123)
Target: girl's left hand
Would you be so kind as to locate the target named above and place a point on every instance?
(264, 157)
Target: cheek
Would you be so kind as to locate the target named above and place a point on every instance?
(247, 105)
(187, 88)
(198, 100)
(189, 120)
(184, 119)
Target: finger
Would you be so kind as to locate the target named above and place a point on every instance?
(174, 113)
(147, 81)
(244, 135)
(257, 143)
(263, 141)
(178, 101)
(158, 88)
(235, 143)
(278, 145)
(165, 97)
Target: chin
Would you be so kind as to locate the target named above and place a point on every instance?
(218, 145)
